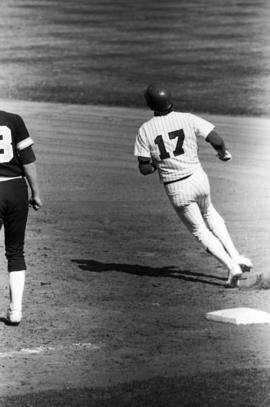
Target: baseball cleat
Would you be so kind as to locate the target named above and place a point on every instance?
(14, 317)
(234, 275)
(245, 264)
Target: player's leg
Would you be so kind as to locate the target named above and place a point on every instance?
(217, 225)
(15, 224)
(193, 220)
(201, 193)
(16, 290)
(184, 196)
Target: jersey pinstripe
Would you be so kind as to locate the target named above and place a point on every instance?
(193, 189)
(171, 141)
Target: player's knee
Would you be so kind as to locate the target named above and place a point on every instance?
(15, 256)
(16, 260)
(15, 264)
(205, 237)
(211, 215)
(199, 232)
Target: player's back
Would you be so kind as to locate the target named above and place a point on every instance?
(172, 141)
(13, 137)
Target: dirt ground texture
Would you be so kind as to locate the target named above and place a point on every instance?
(117, 290)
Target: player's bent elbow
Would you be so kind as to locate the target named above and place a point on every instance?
(146, 169)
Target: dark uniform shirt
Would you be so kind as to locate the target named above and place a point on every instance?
(15, 145)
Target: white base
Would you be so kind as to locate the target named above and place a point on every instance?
(239, 316)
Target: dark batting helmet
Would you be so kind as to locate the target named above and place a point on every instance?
(158, 98)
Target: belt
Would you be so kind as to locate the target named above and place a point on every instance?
(3, 179)
(176, 180)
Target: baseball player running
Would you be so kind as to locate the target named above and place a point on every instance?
(17, 163)
(168, 143)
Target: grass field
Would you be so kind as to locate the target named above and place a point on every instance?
(214, 55)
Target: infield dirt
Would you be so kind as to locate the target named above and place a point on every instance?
(117, 290)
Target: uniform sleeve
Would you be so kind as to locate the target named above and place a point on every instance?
(201, 127)
(141, 148)
(24, 142)
(27, 155)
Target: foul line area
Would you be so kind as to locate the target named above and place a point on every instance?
(45, 349)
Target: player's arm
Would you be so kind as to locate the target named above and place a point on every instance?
(146, 165)
(27, 159)
(218, 144)
(30, 172)
(142, 152)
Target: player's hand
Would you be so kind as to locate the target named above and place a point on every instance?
(225, 157)
(36, 203)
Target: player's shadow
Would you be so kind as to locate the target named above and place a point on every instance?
(139, 270)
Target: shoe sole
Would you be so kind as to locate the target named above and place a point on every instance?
(233, 282)
(10, 323)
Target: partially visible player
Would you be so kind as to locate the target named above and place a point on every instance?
(168, 143)
(17, 164)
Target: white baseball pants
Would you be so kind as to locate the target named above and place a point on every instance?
(191, 200)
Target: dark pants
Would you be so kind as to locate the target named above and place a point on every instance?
(13, 216)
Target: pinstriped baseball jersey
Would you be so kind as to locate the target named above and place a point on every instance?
(171, 141)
